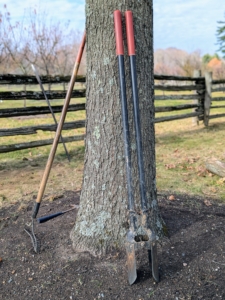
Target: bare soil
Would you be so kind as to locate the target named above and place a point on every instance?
(192, 264)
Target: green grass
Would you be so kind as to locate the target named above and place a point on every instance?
(21, 171)
(181, 152)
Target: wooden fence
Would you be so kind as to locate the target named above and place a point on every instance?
(195, 92)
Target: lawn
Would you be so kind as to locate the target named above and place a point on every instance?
(181, 152)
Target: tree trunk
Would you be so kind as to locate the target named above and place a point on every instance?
(102, 219)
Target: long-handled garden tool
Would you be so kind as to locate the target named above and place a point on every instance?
(140, 233)
(49, 105)
(55, 144)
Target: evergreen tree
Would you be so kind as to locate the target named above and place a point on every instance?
(220, 33)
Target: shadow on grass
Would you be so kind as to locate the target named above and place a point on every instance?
(180, 137)
(39, 161)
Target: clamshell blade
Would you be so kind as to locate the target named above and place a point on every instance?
(131, 264)
(154, 262)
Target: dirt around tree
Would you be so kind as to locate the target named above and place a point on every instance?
(192, 264)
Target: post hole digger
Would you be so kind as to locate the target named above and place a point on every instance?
(54, 145)
(140, 233)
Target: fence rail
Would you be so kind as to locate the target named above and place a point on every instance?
(36, 95)
(34, 144)
(37, 110)
(202, 90)
(27, 130)
(28, 79)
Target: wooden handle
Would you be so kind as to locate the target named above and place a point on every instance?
(130, 32)
(118, 32)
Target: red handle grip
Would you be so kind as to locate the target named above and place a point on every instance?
(130, 32)
(118, 32)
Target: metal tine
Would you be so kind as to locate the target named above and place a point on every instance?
(35, 241)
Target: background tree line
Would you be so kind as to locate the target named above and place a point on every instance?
(37, 39)
(51, 46)
(173, 61)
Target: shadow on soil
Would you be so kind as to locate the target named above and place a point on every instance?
(180, 137)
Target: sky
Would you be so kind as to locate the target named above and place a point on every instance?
(185, 24)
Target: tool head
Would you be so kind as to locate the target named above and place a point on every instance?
(142, 237)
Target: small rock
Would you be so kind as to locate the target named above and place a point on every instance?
(185, 264)
(207, 203)
(171, 198)
(10, 280)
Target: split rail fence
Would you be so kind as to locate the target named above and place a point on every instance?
(195, 92)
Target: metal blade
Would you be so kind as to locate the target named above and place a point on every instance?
(131, 264)
(154, 262)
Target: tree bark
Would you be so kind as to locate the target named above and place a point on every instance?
(102, 219)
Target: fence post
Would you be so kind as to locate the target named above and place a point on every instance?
(208, 98)
(195, 120)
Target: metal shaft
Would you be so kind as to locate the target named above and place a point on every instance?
(50, 108)
(123, 97)
(138, 132)
(126, 134)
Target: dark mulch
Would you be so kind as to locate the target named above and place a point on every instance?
(192, 264)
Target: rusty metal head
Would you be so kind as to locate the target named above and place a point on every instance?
(142, 237)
